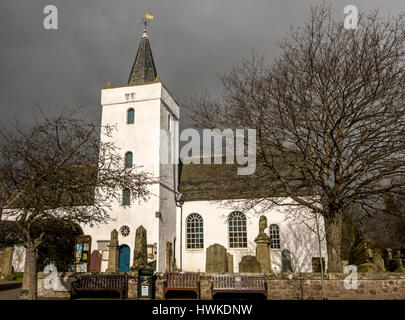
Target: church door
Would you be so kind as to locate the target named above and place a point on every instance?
(123, 258)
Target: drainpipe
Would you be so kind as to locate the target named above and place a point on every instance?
(179, 204)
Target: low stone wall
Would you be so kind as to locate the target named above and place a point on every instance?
(387, 286)
(280, 286)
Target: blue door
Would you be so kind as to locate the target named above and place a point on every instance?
(123, 258)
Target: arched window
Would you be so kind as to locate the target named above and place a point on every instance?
(274, 231)
(195, 231)
(128, 159)
(126, 197)
(130, 116)
(237, 230)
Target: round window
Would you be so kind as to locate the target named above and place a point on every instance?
(124, 230)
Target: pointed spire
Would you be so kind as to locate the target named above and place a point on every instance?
(143, 69)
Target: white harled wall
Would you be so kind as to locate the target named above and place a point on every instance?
(294, 236)
(143, 139)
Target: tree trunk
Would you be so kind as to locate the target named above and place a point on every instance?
(333, 225)
(30, 272)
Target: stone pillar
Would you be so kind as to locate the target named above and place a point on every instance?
(159, 289)
(206, 289)
(216, 259)
(140, 249)
(7, 264)
(263, 247)
(230, 262)
(113, 253)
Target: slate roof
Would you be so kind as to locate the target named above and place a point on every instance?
(206, 182)
(143, 69)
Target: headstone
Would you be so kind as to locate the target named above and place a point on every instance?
(389, 253)
(140, 249)
(316, 265)
(249, 264)
(7, 264)
(230, 262)
(1, 259)
(113, 252)
(263, 247)
(169, 256)
(216, 259)
(286, 263)
(95, 261)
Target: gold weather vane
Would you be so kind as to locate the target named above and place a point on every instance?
(147, 17)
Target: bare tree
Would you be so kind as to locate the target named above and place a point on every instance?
(329, 113)
(60, 169)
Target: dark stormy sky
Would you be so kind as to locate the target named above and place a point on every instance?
(97, 41)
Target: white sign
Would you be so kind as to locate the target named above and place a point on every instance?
(145, 291)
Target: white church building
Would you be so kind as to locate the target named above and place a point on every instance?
(189, 207)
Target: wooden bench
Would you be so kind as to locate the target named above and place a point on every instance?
(101, 282)
(182, 281)
(239, 283)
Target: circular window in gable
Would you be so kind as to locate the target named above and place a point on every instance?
(124, 230)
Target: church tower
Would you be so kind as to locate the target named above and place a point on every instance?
(146, 118)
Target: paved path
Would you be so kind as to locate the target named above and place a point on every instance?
(12, 294)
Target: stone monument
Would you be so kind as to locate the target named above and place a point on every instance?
(95, 261)
(216, 259)
(169, 256)
(140, 249)
(113, 252)
(263, 247)
(249, 264)
(230, 262)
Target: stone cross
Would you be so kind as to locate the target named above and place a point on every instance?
(113, 252)
(140, 249)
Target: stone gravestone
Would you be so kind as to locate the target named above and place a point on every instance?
(140, 249)
(367, 259)
(1, 259)
(113, 252)
(230, 262)
(216, 259)
(7, 264)
(169, 256)
(263, 247)
(249, 264)
(316, 265)
(286, 263)
(95, 261)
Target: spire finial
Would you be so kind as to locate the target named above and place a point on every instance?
(147, 17)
